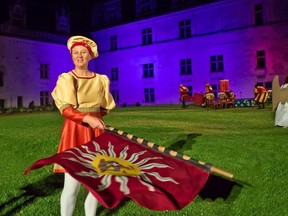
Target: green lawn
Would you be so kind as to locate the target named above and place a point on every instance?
(243, 141)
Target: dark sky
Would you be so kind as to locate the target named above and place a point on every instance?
(41, 14)
(80, 12)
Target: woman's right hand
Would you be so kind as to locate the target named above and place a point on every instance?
(94, 122)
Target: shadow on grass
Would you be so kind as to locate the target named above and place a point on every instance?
(42, 188)
(110, 212)
(184, 142)
(218, 187)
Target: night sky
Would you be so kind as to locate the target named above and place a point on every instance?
(41, 14)
(80, 15)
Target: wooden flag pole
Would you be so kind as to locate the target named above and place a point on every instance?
(206, 166)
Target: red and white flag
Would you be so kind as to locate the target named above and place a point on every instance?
(114, 168)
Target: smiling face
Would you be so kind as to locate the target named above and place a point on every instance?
(80, 56)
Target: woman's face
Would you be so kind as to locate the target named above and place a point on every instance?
(80, 56)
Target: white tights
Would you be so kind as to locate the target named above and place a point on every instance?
(69, 196)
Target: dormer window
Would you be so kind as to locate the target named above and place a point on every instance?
(18, 15)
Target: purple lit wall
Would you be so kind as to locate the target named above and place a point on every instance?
(225, 28)
(20, 63)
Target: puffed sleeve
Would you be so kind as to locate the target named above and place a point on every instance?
(64, 93)
(108, 102)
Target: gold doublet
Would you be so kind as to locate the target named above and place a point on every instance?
(86, 95)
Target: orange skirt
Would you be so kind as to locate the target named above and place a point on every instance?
(74, 134)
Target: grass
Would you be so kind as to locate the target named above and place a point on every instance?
(243, 141)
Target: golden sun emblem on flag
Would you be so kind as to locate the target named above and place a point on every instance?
(107, 165)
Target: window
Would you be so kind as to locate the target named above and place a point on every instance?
(2, 104)
(111, 15)
(190, 88)
(261, 62)
(145, 6)
(185, 67)
(44, 98)
(148, 70)
(185, 29)
(115, 94)
(114, 74)
(177, 2)
(258, 14)
(259, 84)
(216, 88)
(1, 79)
(216, 63)
(44, 71)
(268, 85)
(113, 42)
(63, 24)
(149, 95)
(19, 101)
(146, 36)
(18, 15)
(112, 11)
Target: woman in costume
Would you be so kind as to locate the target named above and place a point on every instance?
(83, 98)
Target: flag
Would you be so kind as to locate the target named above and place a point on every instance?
(114, 168)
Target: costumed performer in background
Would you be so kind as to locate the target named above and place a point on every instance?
(280, 102)
(209, 93)
(260, 96)
(83, 98)
(184, 92)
